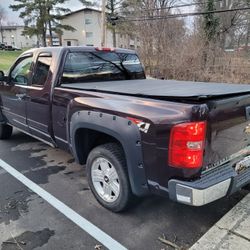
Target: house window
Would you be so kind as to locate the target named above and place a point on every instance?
(68, 43)
(89, 34)
(88, 21)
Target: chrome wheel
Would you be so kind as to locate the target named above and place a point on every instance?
(105, 179)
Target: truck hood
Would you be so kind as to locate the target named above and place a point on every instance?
(165, 88)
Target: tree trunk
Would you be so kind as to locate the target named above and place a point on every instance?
(44, 38)
(205, 55)
(247, 35)
(112, 8)
(114, 37)
(50, 29)
(1, 31)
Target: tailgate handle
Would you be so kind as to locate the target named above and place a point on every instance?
(248, 113)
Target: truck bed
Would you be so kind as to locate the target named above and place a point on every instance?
(165, 88)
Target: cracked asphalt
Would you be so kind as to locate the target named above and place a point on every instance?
(29, 222)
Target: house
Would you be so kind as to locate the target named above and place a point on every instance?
(88, 30)
(12, 35)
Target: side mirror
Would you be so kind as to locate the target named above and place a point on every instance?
(2, 77)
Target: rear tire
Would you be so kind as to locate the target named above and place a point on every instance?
(108, 177)
(5, 131)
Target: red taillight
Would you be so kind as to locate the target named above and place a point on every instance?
(186, 147)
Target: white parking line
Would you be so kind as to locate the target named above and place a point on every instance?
(87, 226)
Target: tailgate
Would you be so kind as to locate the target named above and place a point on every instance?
(228, 130)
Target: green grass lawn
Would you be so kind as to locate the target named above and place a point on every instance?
(7, 58)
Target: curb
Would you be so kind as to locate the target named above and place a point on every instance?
(231, 232)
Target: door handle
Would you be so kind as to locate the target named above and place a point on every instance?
(20, 96)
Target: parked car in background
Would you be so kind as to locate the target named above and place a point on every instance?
(2, 46)
(9, 48)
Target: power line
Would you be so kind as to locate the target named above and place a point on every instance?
(183, 15)
(180, 6)
(172, 6)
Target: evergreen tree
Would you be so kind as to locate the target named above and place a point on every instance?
(87, 3)
(40, 16)
(112, 7)
(211, 22)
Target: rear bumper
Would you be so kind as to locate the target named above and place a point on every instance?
(213, 185)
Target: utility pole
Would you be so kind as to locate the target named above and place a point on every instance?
(103, 41)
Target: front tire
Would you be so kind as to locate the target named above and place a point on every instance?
(5, 131)
(108, 177)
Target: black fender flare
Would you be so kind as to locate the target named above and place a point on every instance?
(125, 132)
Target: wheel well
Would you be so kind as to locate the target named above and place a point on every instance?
(87, 139)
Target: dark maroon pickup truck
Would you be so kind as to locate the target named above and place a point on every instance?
(186, 140)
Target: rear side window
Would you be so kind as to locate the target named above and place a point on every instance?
(42, 69)
(101, 66)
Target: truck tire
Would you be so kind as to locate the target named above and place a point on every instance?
(5, 131)
(108, 177)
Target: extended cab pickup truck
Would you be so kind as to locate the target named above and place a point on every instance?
(186, 140)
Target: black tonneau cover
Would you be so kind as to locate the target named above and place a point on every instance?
(165, 88)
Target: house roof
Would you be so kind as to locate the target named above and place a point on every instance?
(11, 27)
(81, 10)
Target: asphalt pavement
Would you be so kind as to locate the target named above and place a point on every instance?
(28, 221)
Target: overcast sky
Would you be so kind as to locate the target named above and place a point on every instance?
(12, 16)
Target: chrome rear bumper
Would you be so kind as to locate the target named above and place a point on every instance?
(212, 186)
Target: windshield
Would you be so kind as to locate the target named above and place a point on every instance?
(101, 66)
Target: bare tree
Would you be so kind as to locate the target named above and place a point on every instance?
(157, 37)
(2, 18)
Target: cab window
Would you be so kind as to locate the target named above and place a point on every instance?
(42, 69)
(101, 66)
(21, 73)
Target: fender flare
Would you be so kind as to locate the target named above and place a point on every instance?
(125, 132)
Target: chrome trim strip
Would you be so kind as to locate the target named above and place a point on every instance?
(48, 143)
(5, 108)
(23, 124)
(37, 123)
(60, 139)
(39, 131)
(28, 87)
(14, 114)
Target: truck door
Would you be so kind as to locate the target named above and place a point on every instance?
(39, 104)
(13, 93)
